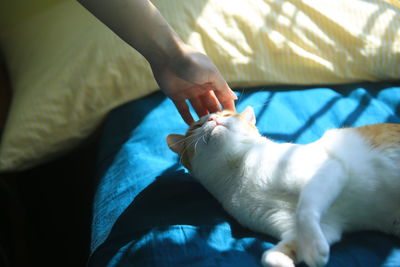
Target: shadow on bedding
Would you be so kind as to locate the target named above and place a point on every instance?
(347, 105)
(176, 222)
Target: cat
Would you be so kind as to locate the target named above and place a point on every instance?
(304, 195)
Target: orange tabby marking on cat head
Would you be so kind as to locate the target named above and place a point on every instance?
(383, 136)
(186, 147)
(177, 143)
(226, 112)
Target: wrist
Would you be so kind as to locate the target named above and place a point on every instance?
(166, 47)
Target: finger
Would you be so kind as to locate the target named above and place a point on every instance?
(224, 93)
(222, 99)
(222, 86)
(227, 102)
(198, 106)
(210, 101)
(183, 109)
(230, 105)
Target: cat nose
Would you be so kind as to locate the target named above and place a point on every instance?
(214, 119)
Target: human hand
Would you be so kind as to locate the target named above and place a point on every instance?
(181, 72)
(193, 76)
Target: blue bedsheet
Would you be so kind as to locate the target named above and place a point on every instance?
(148, 211)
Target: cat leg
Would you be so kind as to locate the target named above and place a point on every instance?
(282, 255)
(285, 254)
(315, 199)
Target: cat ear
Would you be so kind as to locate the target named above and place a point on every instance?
(175, 142)
(249, 115)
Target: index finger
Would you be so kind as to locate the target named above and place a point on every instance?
(229, 104)
(210, 101)
(183, 109)
(224, 93)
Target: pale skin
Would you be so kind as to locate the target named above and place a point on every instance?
(181, 72)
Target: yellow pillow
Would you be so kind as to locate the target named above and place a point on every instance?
(68, 70)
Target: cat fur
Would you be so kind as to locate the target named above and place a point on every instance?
(308, 195)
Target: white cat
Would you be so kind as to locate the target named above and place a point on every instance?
(305, 195)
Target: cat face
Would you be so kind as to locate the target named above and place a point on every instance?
(213, 133)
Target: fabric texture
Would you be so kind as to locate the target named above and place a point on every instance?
(68, 70)
(148, 211)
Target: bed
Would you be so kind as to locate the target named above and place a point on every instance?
(303, 69)
(149, 211)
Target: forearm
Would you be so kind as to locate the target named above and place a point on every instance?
(181, 72)
(140, 24)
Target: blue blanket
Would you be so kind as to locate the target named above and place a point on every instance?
(148, 211)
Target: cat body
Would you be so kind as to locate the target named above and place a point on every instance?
(304, 195)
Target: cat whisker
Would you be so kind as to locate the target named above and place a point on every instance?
(186, 138)
(240, 96)
(197, 141)
(204, 140)
(262, 105)
(195, 146)
(189, 145)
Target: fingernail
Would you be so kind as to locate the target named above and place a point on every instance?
(234, 96)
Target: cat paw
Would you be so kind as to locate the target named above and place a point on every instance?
(315, 254)
(273, 258)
